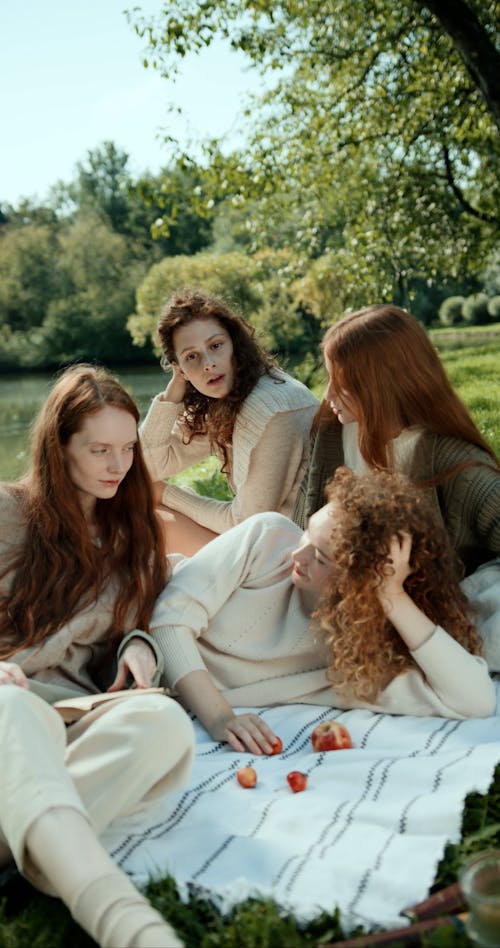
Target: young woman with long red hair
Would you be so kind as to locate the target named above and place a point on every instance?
(227, 398)
(81, 563)
(390, 406)
(361, 610)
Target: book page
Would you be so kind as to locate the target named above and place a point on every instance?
(71, 709)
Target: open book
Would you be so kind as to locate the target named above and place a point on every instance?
(71, 709)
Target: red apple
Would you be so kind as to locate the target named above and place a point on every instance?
(246, 777)
(330, 736)
(277, 746)
(296, 781)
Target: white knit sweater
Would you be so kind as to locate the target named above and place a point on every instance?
(233, 611)
(267, 460)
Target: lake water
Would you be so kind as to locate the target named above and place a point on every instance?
(21, 396)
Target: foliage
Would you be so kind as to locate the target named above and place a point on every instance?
(227, 276)
(475, 309)
(375, 139)
(69, 271)
(494, 307)
(266, 288)
(450, 311)
(28, 278)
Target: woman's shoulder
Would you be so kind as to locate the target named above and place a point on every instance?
(277, 391)
(448, 452)
(12, 516)
(11, 501)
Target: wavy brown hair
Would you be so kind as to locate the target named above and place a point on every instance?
(57, 571)
(214, 416)
(365, 650)
(382, 357)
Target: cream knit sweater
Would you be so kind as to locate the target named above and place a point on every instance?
(233, 611)
(74, 660)
(267, 460)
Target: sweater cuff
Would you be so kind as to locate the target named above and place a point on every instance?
(179, 652)
(145, 637)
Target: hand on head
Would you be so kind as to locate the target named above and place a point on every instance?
(396, 569)
(176, 388)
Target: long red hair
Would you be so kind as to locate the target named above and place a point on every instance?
(382, 357)
(57, 570)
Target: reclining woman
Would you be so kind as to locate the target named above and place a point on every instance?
(82, 561)
(362, 610)
(389, 405)
(226, 397)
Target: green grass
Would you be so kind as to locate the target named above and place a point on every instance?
(30, 919)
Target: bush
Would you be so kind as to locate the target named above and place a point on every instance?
(475, 310)
(450, 311)
(493, 308)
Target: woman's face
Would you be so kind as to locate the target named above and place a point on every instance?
(313, 562)
(100, 454)
(204, 353)
(339, 402)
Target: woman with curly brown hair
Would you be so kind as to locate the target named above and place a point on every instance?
(226, 397)
(82, 561)
(389, 405)
(362, 610)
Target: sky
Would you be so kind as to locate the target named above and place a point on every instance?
(71, 77)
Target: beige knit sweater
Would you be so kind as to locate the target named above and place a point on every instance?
(71, 661)
(267, 460)
(232, 610)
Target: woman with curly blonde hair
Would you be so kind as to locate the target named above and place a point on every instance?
(361, 610)
(389, 405)
(227, 398)
(392, 583)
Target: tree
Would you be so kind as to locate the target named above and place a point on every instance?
(28, 275)
(379, 133)
(87, 319)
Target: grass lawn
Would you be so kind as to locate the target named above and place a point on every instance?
(30, 919)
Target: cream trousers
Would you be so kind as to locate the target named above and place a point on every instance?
(116, 760)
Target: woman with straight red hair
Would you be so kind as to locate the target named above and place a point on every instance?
(82, 562)
(389, 405)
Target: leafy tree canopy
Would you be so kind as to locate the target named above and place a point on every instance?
(379, 136)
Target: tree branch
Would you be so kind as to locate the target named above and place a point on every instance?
(472, 42)
(457, 191)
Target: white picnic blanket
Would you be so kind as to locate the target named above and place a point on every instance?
(366, 836)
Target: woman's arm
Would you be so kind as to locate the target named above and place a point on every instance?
(163, 441)
(271, 480)
(459, 679)
(197, 693)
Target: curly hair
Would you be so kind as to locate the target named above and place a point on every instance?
(56, 570)
(213, 416)
(365, 652)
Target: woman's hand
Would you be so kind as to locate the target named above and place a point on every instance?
(176, 388)
(245, 732)
(396, 569)
(138, 660)
(12, 674)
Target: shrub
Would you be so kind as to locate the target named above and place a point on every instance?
(475, 310)
(493, 308)
(450, 311)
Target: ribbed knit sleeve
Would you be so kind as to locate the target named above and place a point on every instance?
(269, 453)
(460, 680)
(206, 596)
(162, 441)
